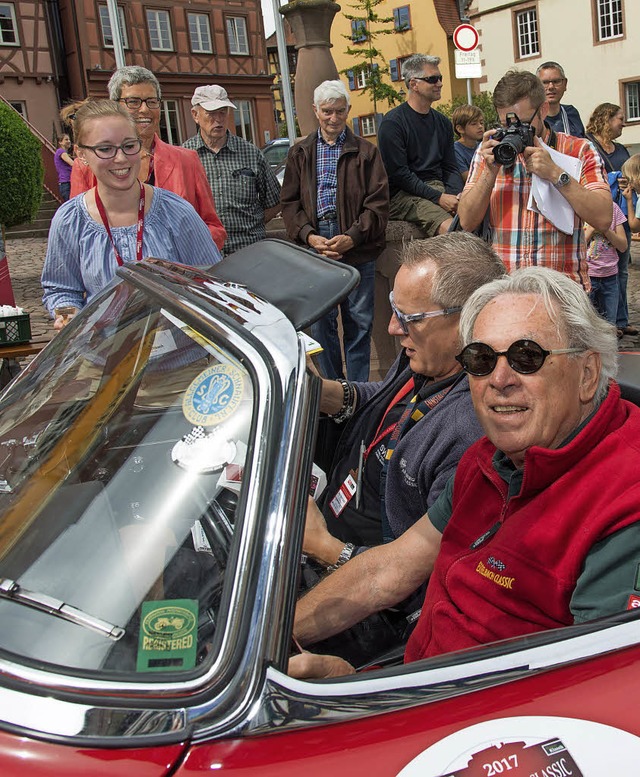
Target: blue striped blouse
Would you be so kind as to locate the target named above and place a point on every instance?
(80, 257)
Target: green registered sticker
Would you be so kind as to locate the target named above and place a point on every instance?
(168, 635)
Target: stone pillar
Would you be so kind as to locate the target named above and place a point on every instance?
(310, 22)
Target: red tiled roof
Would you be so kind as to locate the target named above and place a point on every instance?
(448, 14)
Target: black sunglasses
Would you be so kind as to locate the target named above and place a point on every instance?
(428, 79)
(523, 356)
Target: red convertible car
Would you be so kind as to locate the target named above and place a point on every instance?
(155, 461)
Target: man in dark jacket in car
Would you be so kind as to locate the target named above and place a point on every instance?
(534, 531)
(335, 199)
(404, 436)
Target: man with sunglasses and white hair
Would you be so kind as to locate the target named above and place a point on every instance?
(417, 149)
(540, 526)
(521, 235)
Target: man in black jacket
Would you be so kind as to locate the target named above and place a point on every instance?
(416, 144)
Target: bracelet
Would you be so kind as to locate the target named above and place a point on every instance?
(345, 555)
(348, 402)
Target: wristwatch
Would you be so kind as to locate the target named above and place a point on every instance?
(344, 556)
(563, 180)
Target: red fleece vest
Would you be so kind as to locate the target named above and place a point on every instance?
(520, 579)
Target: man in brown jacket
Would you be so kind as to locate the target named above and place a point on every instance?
(335, 199)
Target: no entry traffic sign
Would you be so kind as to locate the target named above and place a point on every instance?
(465, 37)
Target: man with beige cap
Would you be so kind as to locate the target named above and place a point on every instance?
(245, 190)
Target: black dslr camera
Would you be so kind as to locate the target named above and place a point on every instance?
(514, 138)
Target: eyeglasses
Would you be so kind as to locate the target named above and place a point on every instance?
(404, 319)
(428, 79)
(107, 151)
(135, 102)
(554, 81)
(523, 356)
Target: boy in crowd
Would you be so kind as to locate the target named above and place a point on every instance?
(468, 124)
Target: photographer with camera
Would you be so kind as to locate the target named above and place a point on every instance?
(500, 180)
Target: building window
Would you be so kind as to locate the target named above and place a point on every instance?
(159, 30)
(632, 101)
(401, 19)
(609, 19)
(200, 33)
(358, 30)
(107, 32)
(527, 33)
(19, 106)
(8, 25)
(368, 125)
(243, 119)
(169, 123)
(395, 68)
(362, 76)
(237, 35)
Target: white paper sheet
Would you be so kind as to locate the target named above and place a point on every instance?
(545, 199)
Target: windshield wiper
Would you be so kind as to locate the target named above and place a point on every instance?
(11, 590)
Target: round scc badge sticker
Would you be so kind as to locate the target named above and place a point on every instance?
(214, 395)
(530, 747)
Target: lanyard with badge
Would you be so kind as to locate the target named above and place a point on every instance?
(352, 484)
(412, 414)
(140, 229)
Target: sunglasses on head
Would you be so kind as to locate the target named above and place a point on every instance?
(523, 356)
(429, 79)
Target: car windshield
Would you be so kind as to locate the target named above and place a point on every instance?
(120, 470)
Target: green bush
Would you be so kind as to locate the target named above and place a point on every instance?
(22, 170)
(482, 100)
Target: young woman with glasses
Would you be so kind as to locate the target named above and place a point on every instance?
(119, 220)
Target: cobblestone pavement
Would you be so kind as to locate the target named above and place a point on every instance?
(27, 255)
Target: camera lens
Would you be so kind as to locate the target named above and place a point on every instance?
(505, 153)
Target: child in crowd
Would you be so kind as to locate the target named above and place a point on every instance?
(631, 177)
(602, 257)
(63, 162)
(468, 124)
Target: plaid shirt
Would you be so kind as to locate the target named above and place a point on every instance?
(243, 187)
(326, 172)
(523, 238)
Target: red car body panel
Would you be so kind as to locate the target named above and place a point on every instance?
(22, 757)
(596, 690)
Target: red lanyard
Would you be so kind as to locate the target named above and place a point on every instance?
(105, 221)
(408, 386)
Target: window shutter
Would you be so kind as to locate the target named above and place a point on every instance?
(352, 80)
(393, 70)
(356, 125)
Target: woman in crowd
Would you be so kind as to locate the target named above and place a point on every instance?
(605, 125)
(119, 220)
(63, 163)
(174, 168)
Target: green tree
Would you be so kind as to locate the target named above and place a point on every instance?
(22, 170)
(367, 25)
(483, 101)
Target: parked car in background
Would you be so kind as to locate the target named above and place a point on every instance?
(275, 151)
(155, 463)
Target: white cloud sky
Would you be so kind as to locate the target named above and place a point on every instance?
(267, 15)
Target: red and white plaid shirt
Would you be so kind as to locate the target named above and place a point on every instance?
(523, 238)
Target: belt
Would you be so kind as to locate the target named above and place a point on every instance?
(330, 215)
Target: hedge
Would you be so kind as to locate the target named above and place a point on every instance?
(22, 170)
